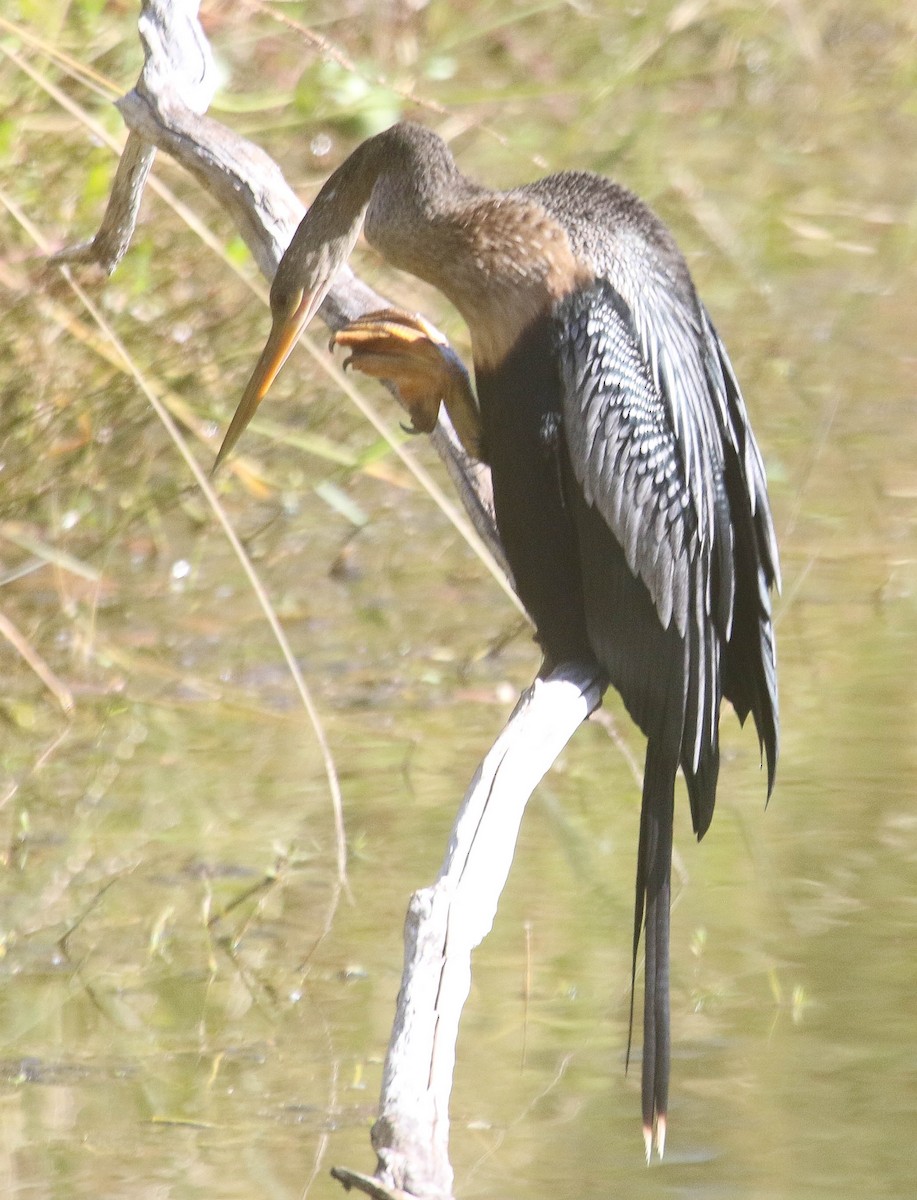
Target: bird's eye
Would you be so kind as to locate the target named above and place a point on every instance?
(285, 300)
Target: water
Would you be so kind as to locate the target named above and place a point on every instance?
(189, 1006)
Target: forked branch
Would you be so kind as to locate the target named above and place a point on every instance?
(166, 111)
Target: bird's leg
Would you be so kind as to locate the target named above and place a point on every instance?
(404, 349)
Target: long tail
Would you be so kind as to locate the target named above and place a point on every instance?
(654, 870)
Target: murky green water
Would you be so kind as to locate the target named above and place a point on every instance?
(187, 1007)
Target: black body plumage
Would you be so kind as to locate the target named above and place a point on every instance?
(640, 531)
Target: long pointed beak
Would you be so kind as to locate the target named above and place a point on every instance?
(285, 331)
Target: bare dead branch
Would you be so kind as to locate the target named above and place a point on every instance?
(166, 111)
(446, 921)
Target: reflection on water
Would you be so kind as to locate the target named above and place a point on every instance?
(188, 1007)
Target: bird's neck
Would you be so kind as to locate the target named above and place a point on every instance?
(498, 257)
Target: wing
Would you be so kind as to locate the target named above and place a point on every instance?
(623, 449)
(646, 455)
(725, 473)
(642, 357)
(750, 657)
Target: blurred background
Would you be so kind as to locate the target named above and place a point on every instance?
(190, 1004)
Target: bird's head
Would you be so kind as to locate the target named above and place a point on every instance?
(291, 309)
(412, 167)
(319, 248)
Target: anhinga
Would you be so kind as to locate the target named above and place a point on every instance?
(630, 494)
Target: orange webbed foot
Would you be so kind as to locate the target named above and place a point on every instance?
(407, 351)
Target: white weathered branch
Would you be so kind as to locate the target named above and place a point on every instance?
(446, 921)
(166, 111)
